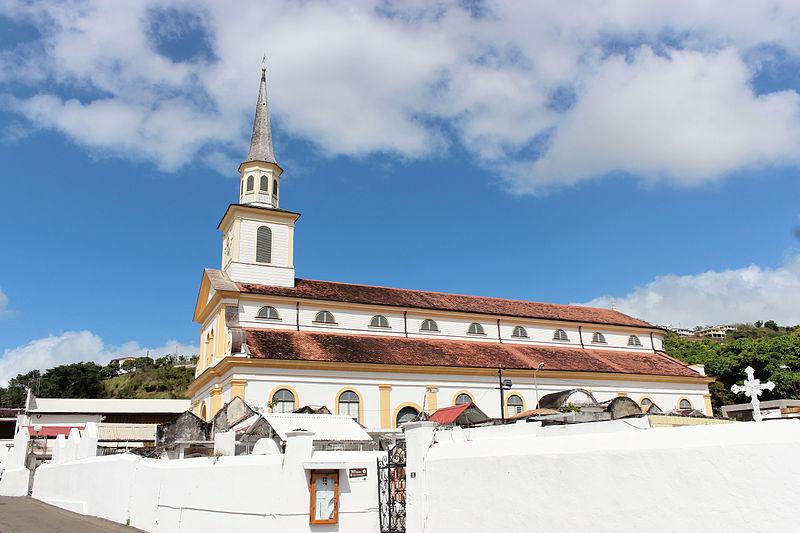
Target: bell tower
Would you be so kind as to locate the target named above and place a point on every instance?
(258, 236)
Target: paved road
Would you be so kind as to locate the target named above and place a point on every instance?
(26, 515)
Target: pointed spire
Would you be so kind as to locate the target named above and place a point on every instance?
(261, 141)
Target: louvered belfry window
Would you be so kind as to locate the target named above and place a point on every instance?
(264, 184)
(264, 245)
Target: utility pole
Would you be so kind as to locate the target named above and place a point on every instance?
(504, 385)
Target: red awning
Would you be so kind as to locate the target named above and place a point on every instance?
(51, 431)
(449, 415)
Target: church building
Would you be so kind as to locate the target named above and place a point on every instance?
(382, 355)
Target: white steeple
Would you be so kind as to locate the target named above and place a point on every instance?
(257, 236)
(260, 173)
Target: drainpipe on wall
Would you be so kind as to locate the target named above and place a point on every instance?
(580, 336)
(499, 337)
(298, 316)
(405, 322)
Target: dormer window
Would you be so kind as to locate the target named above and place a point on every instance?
(379, 321)
(325, 317)
(429, 326)
(268, 312)
(598, 338)
(519, 333)
(633, 340)
(560, 335)
(475, 329)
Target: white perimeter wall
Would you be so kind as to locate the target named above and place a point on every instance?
(247, 493)
(721, 478)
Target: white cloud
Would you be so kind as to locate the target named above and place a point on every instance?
(72, 347)
(729, 296)
(413, 78)
(5, 312)
(687, 118)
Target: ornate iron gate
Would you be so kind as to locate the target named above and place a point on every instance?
(392, 489)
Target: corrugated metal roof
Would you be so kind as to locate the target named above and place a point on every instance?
(325, 427)
(104, 406)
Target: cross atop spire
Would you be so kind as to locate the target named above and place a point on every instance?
(261, 140)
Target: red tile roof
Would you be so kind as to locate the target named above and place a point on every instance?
(349, 348)
(372, 295)
(449, 415)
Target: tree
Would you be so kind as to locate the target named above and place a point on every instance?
(759, 323)
(726, 361)
(771, 325)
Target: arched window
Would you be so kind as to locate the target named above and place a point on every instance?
(463, 398)
(519, 333)
(598, 338)
(325, 317)
(633, 340)
(514, 405)
(379, 321)
(283, 401)
(645, 402)
(406, 414)
(264, 245)
(268, 312)
(560, 335)
(429, 325)
(203, 412)
(249, 183)
(348, 404)
(475, 329)
(241, 188)
(264, 184)
(275, 193)
(685, 404)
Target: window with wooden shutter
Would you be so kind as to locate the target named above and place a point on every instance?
(264, 245)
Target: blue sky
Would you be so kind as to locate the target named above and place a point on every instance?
(650, 159)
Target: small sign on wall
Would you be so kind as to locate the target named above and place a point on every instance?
(324, 498)
(358, 473)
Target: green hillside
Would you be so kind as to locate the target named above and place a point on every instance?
(773, 352)
(144, 377)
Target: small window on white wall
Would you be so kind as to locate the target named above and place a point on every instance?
(685, 404)
(379, 321)
(519, 333)
(268, 312)
(325, 317)
(429, 325)
(560, 335)
(283, 401)
(598, 338)
(633, 340)
(348, 404)
(514, 405)
(475, 329)
(264, 245)
(463, 398)
(645, 402)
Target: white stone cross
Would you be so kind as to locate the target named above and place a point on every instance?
(753, 388)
